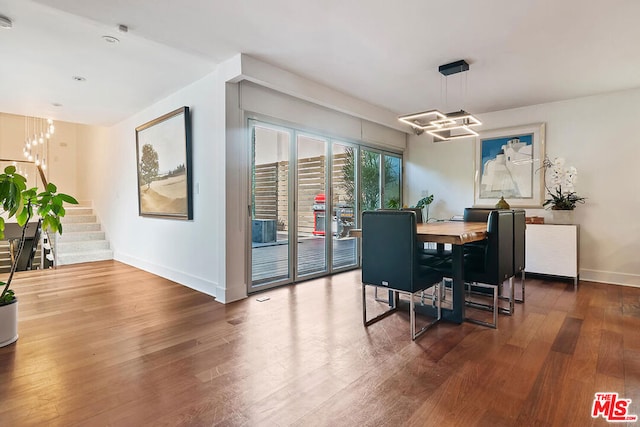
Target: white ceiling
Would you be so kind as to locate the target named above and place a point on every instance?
(387, 53)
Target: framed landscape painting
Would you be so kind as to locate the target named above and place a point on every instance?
(163, 148)
(507, 164)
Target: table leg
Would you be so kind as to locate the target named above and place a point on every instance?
(457, 313)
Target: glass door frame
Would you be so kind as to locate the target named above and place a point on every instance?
(356, 203)
(327, 217)
(252, 124)
(382, 178)
(253, 121)
(383, 182)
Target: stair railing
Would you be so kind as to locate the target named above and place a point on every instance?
(47, 250)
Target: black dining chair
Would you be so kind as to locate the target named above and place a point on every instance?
(519, 244)
(490, 268)
(428, 256)
(418, 213)
(488, 264)
(519, 226)
(421, 249)
(476, 215)
(390, 261)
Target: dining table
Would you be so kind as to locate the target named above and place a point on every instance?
(455, 233)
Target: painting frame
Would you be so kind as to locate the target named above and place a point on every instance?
(525, 152)
(163, 163)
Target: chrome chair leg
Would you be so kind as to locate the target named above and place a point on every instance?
(412, 317)
(375, 295)
(393, 306)
(512, 293)
(436, 297)
(432, 297)
(436, 300)
(521, 300)
(493, 308)
(511, 299)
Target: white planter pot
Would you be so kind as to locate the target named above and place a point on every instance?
(562, 216)
(8, 323)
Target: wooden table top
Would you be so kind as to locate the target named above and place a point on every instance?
(453, 232)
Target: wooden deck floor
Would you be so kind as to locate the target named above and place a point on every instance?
(107, 344)
(271, 261)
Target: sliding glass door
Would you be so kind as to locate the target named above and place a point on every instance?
(392, 184)
(306, 194)
(371, 185)
(270, 208)
(313, 223)
(343, 191)
(381, 180)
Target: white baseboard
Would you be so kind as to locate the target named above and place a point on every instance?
(196, 283)
(610, 277)
(227, 295)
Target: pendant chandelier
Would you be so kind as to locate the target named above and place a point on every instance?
(38, 132)
(449, 126)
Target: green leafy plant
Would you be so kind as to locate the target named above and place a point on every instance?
(560, 200)
(19, 202)
(424, 203)
(369, 178)
(393, 203)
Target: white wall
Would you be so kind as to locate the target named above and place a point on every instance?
(93, 151)
(598, 135)
(183, 251)
(316, 118)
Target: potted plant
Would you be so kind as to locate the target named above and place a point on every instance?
(19, 202)
(562, 196)
(424, 203)
(563, 200)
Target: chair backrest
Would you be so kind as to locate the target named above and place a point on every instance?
(476, 214)
(418, 213)
(519, 225)
(476, 249)
(497, 265)
(389, 249)
(499, 261)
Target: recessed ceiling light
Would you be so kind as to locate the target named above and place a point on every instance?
(56, 104)
(78, 78)
(110, 39)
(5, 22)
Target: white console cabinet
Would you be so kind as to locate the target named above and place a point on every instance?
(552, 249)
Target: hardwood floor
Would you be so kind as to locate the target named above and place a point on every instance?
(107, 344)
